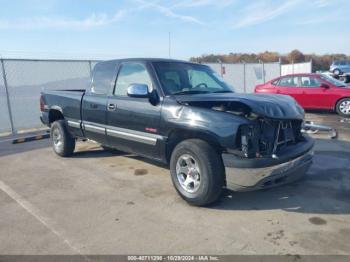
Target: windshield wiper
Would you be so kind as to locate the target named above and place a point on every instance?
(223, 91)
(191, 92)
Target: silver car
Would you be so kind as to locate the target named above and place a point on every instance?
(340, 67)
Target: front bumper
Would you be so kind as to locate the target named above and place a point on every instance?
(270, 174)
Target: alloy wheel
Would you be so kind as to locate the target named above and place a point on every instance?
(188, 173)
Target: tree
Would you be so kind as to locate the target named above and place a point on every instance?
(319, 62)
(296, 57)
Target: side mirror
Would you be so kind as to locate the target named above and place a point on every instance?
(323, 85)
(138, 90)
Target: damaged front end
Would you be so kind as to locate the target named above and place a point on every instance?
(267, 137)
(270, 148)
(270, 152)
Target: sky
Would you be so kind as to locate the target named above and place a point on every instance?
(140, 28)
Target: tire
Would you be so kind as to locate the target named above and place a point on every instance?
(343, 107)
(347, 79)
(337, 72)
(196, 161)
(63, 143)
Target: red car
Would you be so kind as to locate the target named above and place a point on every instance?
(311, 91)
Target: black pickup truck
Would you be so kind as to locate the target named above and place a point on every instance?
(184, 114)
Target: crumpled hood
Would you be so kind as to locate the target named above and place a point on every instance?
(272, 106)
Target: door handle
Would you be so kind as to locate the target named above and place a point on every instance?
(111, 107)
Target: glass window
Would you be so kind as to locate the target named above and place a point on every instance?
(179, 78)
(307, 81)
(289, 81)
(275, 82)
(131, 73)
(172, 76)
(332, 80)
(103, 77)
(200, 78)
(342, 63)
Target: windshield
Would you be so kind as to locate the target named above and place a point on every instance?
(184, 78)
(332, 80)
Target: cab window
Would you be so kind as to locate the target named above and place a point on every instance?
(103, 78)
(131, 73)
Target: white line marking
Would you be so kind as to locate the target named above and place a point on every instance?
(35, 212)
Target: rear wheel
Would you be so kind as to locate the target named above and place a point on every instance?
(62, 142)
(343, 107)
(197, 172)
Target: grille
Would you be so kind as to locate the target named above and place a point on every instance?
(268, 136)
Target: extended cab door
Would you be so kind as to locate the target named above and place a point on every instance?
(133, 123)
(94, 104)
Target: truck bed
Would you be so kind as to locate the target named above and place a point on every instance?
(68, 102)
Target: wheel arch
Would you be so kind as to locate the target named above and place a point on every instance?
(336, 103)
(55, 114)
(178, 135)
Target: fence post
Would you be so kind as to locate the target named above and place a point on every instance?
(90, 70)
(311, 65)
(263, 71)
(13, 130)
(244, 78)
(280, 62)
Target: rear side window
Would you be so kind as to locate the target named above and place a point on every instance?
(275, 82)
(307, 81)
(289, 81)
(103, 78)
(131, 73)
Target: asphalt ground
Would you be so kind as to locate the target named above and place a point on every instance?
(98, 202)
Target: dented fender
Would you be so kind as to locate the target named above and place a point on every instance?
(271, 106)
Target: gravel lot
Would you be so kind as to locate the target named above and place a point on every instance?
(102, 203)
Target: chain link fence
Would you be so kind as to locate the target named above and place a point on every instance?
(22, 81)
(5, 125)
(245, 76)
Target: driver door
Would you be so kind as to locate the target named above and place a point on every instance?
(133, 123)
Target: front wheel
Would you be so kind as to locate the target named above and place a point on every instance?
(337, 72)
(62, 142)
(197, 172)
(343, 107)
